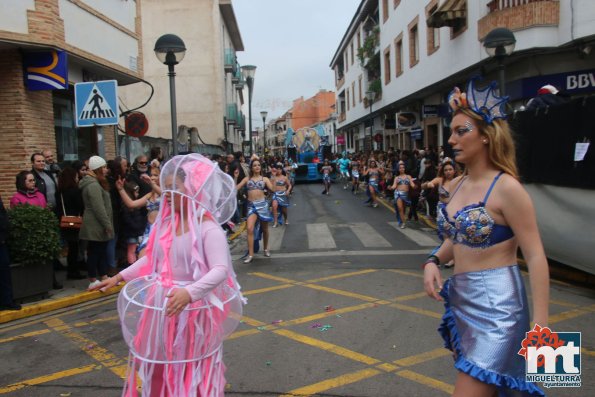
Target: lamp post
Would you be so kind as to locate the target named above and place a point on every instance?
(170, 50)
(499, 43)
(370, 96)
(264, 114)
(248, 74)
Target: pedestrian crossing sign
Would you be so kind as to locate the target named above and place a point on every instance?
(96, 103)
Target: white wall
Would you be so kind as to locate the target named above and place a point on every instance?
(120, 11)
(13, 15)
(89, 33)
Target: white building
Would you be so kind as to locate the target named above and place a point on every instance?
(425, 48)
(208, 80)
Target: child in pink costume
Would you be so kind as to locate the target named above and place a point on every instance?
(182, 299)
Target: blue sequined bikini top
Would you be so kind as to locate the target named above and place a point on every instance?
(280, 182)
(255, 185)
(472, 225)
(402, 181)
(153, 205)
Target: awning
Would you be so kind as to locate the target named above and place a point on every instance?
(450, 13)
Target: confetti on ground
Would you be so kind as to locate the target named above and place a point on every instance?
(337, 202)
(325, 328)
(89, 347)
(316, 325)
(262, 328)
(338, 315)
(277, 322)
(65, 394)
(395, 347)
(329, 308)
(268, 363)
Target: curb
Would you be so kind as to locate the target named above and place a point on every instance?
(67, 301)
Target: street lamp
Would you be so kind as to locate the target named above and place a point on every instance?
(248, 75)
(499, 43)
(370, 96)
(170, 50)
(263, 114)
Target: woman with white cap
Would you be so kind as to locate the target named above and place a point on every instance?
(97, 226)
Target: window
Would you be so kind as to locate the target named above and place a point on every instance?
(387, 69)
(353, 93)
(359, 82)
(359, 39)
(413, 43)
(460, 27)
(351, 49)
(347, 97)
(433, 34)
(399, 54)
(346, 63)
(384, 10)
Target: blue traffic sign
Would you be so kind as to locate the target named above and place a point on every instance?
(96, 103)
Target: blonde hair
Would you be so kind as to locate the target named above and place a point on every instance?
(501, 149)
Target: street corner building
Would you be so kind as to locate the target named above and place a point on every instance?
(46, 47)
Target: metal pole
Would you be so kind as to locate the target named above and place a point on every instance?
(501, 80)
(264, 133)
(172, 100)
(249, 81)
(371, 125)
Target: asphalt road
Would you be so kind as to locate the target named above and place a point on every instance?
(338, 310)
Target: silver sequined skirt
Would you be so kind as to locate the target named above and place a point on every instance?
(282, 198)
(261, 209)
(485, 321)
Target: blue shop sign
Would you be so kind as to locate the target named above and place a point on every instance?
(416, 133)
(570, 83)
(46, 70)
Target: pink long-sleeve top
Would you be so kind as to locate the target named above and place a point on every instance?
(216, 258)
(36, 198)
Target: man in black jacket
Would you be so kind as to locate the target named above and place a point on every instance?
(44, 180)
(6, 299)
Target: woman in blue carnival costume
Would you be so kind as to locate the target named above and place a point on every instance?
(489, 215)
(401, 185)
(258, 207)
(280, 198)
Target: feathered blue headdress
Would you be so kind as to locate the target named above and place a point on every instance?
(485, 102)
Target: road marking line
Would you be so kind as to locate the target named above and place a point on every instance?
(90, 347)
(319, 316)
(276, 237)
(319, 236)
(268, 289)
(427, 381)
(410, 297)
(588, 352)
(567, 315)
(417, 310)
(419, 238)
(338, 350)
(27, 335)
(271, 277)
(369, 237)
(50, 377)
(96, 321)
(423, 357)
(339, 253)
(387, 367)
(343, 293)
(358, 273)
(239, 334)
(562, 303)
(64, 313)
(328, 384)
(406, 273)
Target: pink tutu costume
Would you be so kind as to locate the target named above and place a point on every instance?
(182, 355)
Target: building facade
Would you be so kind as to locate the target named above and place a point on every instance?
(46, 46)
(209, 87)
(408, 55)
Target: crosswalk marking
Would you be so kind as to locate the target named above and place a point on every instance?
(319, 236)
(276, 237)
(369, 237)
(420, 238)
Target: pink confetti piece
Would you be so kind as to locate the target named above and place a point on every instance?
(329, 308)
(316, 325)
(277, 322)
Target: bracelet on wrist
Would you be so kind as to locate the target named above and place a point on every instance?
(431, 259)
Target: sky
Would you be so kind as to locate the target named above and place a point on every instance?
(292, 43)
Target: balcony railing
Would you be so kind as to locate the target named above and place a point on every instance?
(229, 60)
(497, 5)
(342, 117)
(232, 113)
(340, 82)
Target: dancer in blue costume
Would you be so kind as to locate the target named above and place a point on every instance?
(280, 198)
(258, 207)
(489, 215)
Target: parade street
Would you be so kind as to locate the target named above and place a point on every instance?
(337, 310)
